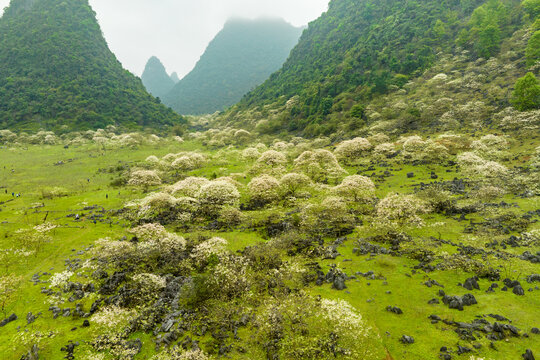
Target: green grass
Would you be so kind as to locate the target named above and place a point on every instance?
(34, 172)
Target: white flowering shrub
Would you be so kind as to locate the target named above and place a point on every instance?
(152, 159)
(378, 138)
(250, 154)
(144, 178)
(416, 149)
(291, 183)
(401, 210)
(216, 194)
(155, 242)
(60, 280)
(230, 277)
(177, 354)
(453, 142)
(183, 163)
(352, 150)
(264, 190)
(355, 188)
(480, 169)
(153, 205)
(320, 320)
(148, 286)
(488, 192)
(384, 150)
(114, 251)
(327, 218)
(272, 162)
(7, 136)
(112, 318)
(190, 186)
(214, 246)
(319, 165)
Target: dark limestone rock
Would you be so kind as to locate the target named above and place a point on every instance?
(518, 290)
(7, 320)
(471, 283)
(528, 355)
(394, 309)
(407, 339)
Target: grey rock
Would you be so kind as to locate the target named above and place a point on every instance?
(405, 339)
(9, 319)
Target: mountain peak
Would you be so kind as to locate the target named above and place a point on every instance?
(155, 78)
(241, 56)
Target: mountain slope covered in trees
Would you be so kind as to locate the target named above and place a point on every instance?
(360, 50)
(239, 58)
(57, 71)
(155, 78)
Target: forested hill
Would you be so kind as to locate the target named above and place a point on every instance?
(57, 72)
(360, 49)
(239, 58)
(155, 78)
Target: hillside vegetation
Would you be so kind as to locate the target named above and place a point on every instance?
(360, 55)
(58, 73)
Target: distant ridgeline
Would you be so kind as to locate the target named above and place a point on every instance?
(239, 58)
(360, 49)
(57, 72)
(155, 78)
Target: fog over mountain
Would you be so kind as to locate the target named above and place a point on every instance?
(178, 31)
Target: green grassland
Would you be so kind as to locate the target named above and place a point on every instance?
(86, 175)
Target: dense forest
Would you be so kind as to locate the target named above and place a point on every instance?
(360, 49)
(57, 72)
(239, 58)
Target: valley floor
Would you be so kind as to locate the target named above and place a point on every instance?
(404, 280)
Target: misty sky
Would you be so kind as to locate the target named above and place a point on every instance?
(178, 31)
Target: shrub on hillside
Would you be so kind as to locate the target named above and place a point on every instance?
(263, 190)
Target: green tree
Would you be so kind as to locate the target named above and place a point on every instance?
(532, 7)
(526, 95)
(357, 111)
(533, 49)
(489, 40)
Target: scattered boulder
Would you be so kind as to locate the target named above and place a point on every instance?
(528, 355)
(518, 290)
(471, 283)
(458, 302)
(407, 339)
(394, 309)
(7, 320)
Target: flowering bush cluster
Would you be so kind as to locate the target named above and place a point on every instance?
(355, 188)
(291, 183)
(264, 189)
(144, 178)
(401, 210)
(214, 246)
(319, 165)
(271, 162)
(352, 150)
